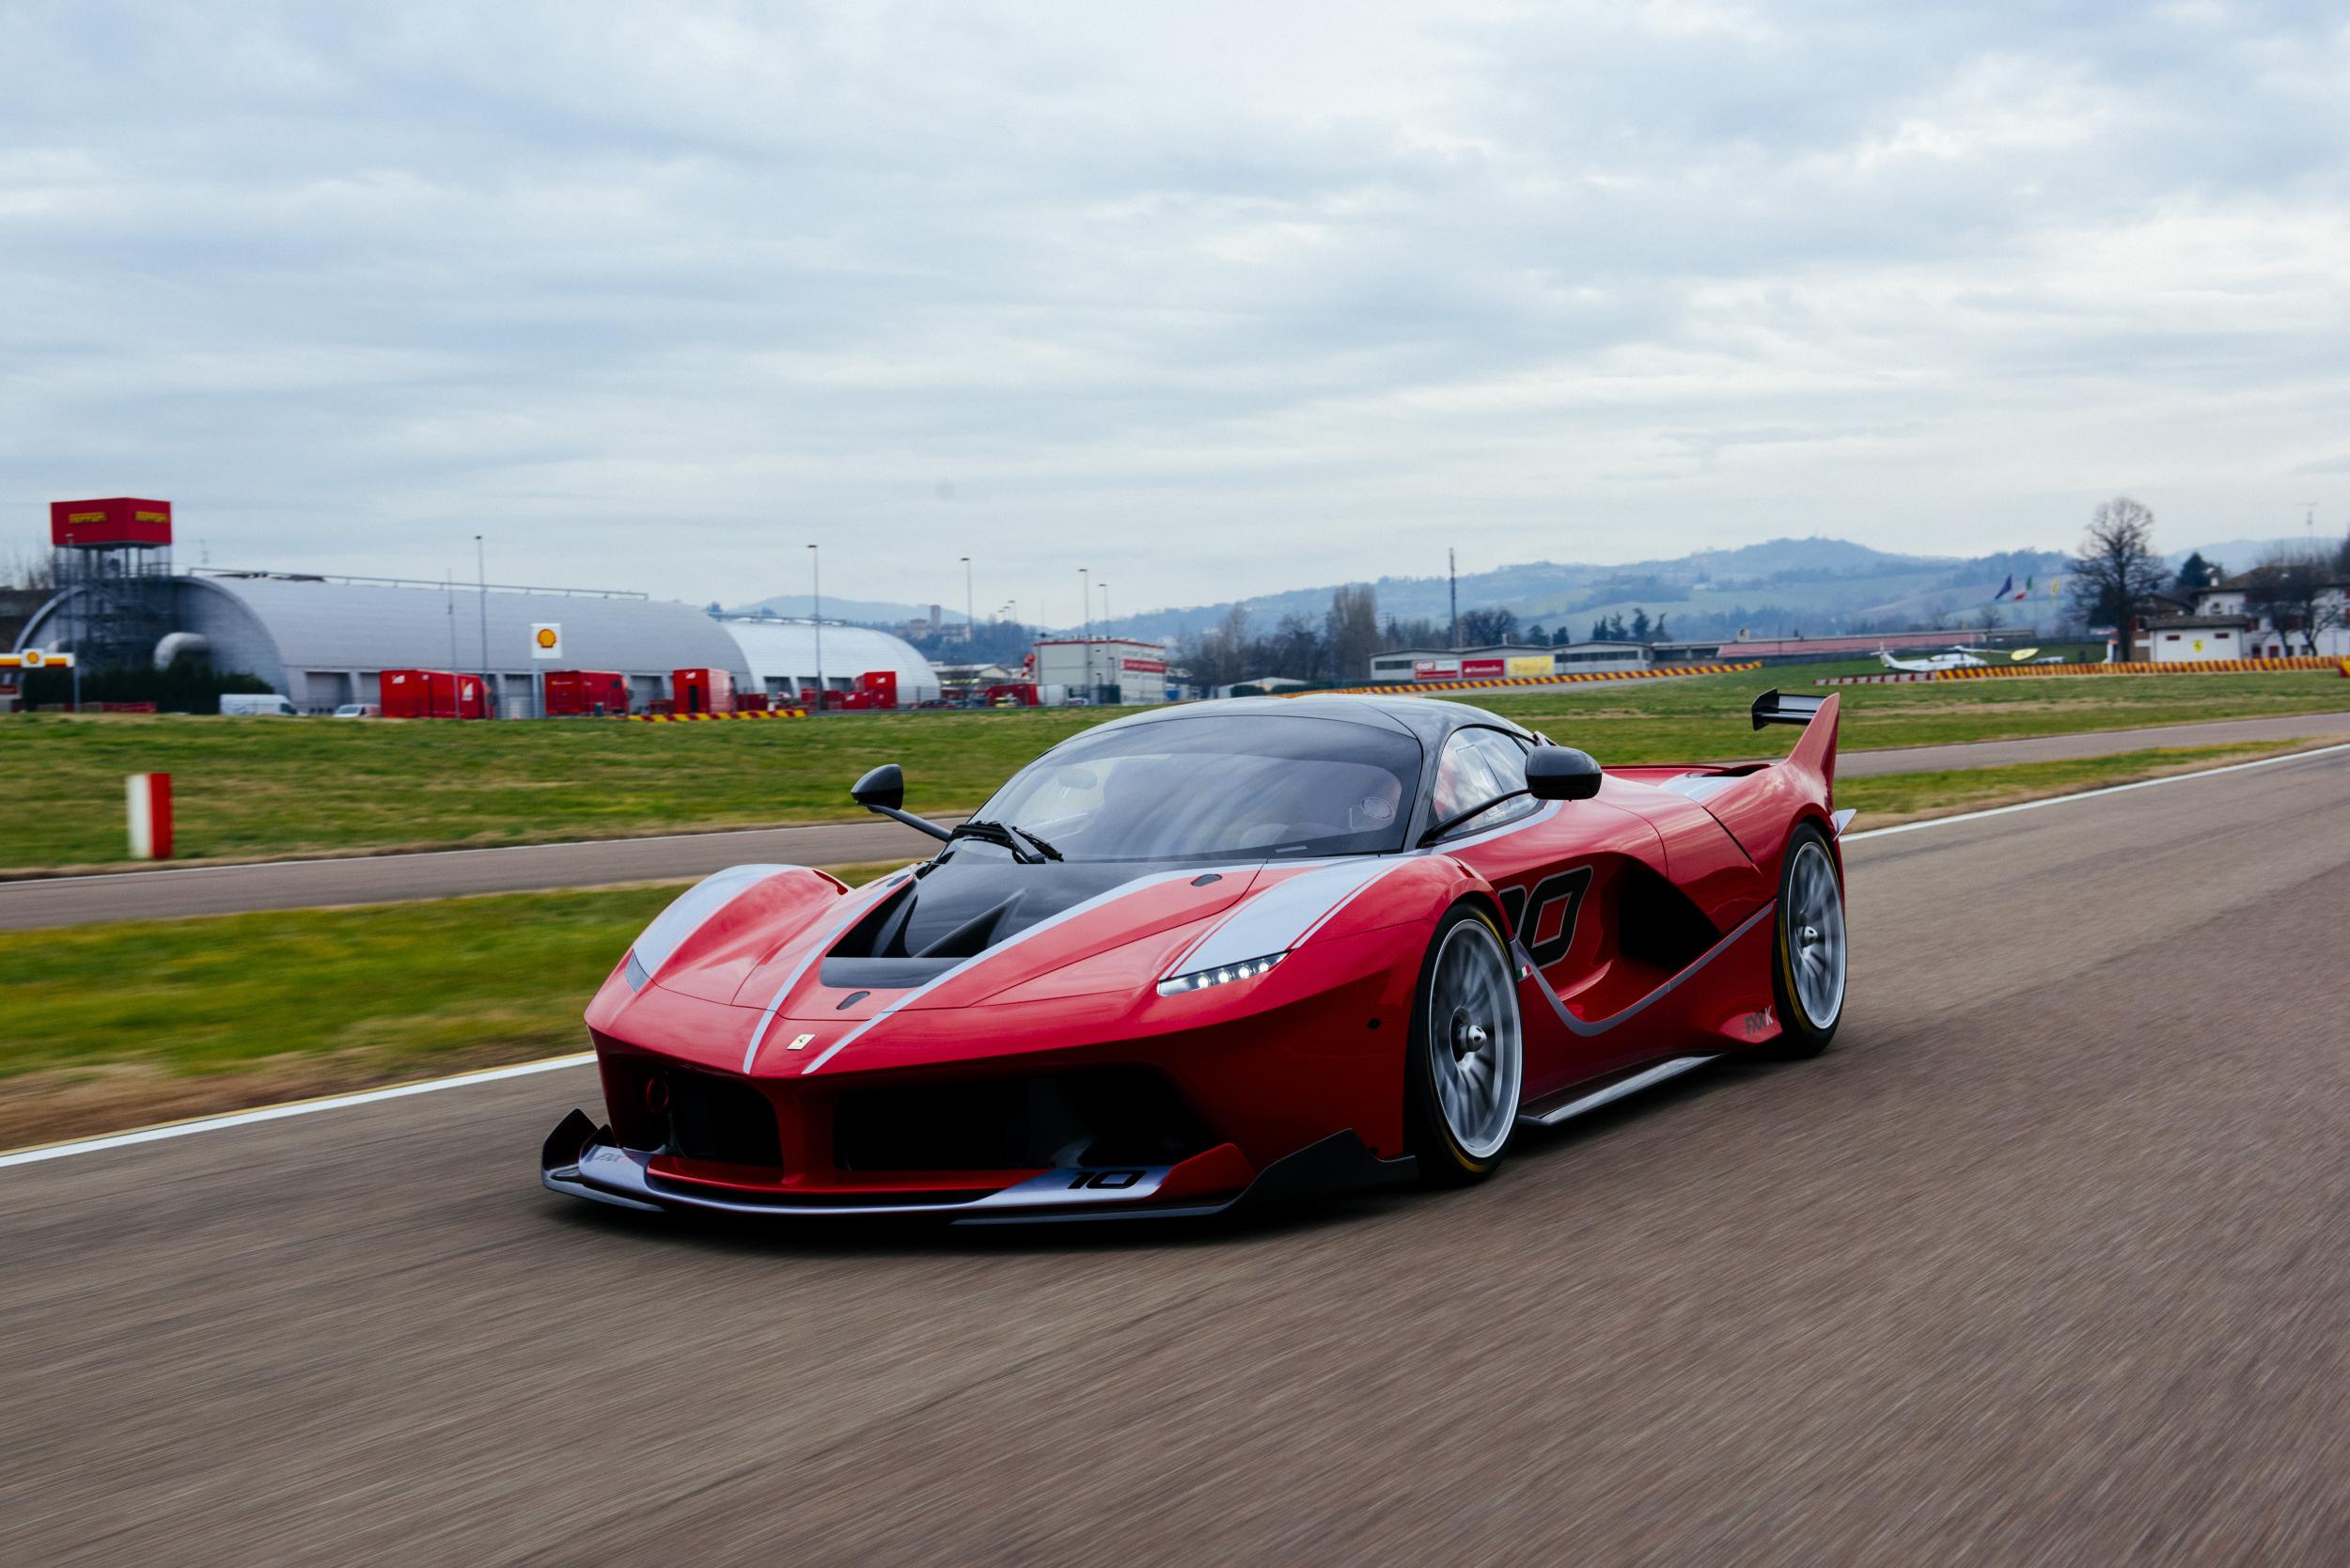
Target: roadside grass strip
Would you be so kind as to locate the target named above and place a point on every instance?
(264, 789)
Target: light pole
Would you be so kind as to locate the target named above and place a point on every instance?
(482, 576)
(816, 603)
(1085, 607)
(455, 709)
(970, 622)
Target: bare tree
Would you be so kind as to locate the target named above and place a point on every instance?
(2289, 587)
(1489, 628)
(1353, 631)
(28, 572)
(2117, 573)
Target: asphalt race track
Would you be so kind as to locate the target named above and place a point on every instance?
(2045, 1263)
(168, 894)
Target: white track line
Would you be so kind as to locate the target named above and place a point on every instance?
(296, 1107)
(400, 1091)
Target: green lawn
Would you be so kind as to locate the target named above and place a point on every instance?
(206, 1014)
(261, 788)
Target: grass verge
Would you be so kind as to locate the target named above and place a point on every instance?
(126, 1024)
(261, 789)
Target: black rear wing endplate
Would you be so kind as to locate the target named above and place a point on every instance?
(1777, 707)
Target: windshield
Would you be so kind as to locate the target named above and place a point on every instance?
(1226, 786)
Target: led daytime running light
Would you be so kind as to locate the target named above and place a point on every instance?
(1223, 973)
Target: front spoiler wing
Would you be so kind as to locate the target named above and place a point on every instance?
(581, 1159)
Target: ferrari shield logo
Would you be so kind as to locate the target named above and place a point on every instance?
(799, 1042)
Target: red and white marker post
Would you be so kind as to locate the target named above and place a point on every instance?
(150, 795)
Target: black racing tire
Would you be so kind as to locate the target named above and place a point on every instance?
(1461, 1111)
(1810, 949)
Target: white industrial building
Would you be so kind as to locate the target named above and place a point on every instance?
(1104, 669)
(2178, 638)
(784, 656)
(2226, 606)
(324, 641)
(1506, 661)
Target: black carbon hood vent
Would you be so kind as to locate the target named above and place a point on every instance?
(959, 908)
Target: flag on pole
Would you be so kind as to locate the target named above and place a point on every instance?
(2007, 588)
(2023, 593)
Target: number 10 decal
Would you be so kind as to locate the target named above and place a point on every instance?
(1527, 913)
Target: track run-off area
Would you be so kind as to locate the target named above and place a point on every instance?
(172, 892)
(2044, 1262)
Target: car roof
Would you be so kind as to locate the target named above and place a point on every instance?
(1428, 720)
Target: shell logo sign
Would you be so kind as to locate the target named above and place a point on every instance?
(546, 641)
(33, 658)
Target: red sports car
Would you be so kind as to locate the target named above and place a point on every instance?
(1215, 954)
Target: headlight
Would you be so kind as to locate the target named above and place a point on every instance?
(1223, 973)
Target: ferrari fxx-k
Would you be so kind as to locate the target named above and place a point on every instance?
(1219, 953)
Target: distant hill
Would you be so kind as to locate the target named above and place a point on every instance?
(1815, 586)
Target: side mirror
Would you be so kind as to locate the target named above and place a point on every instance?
(1560, 773)
(882, 789)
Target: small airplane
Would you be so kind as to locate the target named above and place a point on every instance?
(1972, 658)
(1957, 658)
(1968, 658)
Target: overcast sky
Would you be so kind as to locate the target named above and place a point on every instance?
(1213, 299)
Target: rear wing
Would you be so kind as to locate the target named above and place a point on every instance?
(1777, 707)
(1761, 806)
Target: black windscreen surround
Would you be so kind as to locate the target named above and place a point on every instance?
(1253, 787)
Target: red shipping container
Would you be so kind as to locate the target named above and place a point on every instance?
(586, 693)
(433, 694)
(879, 688)
(703, 691)
(751, 702)
(123, 519)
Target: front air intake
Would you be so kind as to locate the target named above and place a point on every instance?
(720, 1119)
(1128, 1116)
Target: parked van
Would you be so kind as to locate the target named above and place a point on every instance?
(269, 703)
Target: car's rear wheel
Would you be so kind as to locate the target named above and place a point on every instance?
(1808, 966)
(1468, 1050)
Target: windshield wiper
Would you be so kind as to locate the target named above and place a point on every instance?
(996, 833)
(1050, 852)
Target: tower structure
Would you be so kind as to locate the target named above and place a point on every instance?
(113, 563)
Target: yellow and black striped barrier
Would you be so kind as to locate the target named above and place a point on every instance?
(697, 718)
(1500, 682)
(2172, 667)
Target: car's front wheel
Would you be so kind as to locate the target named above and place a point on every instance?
(1468, 1050)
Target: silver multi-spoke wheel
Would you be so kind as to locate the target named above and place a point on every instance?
(1476, 1050)
(1815, 934)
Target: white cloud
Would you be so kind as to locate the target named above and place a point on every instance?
(1215, 299)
